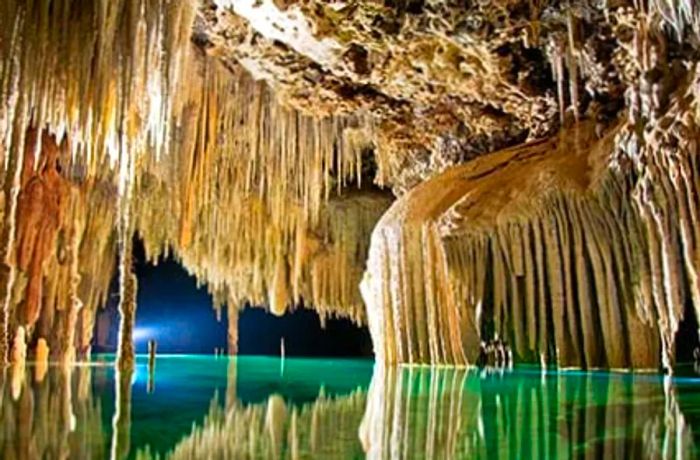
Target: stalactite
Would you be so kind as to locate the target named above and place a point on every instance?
(11, 188)
(608, 269)
(232, 332)
(270, 259)
(127, 101)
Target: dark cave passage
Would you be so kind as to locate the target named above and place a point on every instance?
(260, 333)
(171, 310)
(178, 315)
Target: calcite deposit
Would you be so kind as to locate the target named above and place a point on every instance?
(511, 172)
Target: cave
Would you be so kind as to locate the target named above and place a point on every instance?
(349, 229)
(170, 301)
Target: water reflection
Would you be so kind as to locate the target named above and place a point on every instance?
(55, 415)
(451, 413)
(207, 408)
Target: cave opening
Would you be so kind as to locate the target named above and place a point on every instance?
(178, 314)
(303, 334)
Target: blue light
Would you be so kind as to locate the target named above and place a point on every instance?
(143, 334)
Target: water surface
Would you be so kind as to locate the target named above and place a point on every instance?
(259, 407)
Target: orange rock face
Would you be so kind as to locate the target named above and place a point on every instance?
(40, 210)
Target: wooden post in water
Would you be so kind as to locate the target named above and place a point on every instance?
(282, 354)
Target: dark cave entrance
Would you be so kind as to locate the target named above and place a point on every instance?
(178, 315)
(260, 333)
(170, 309)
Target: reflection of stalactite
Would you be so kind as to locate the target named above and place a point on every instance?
(325, 428)
(121, 422)
(231, 382)
(46, 421)
(453, 413)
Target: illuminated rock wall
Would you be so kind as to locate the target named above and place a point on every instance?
(246, 139)
(124, 126)
(576, 251)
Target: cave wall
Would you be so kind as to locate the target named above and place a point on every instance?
(576, 251)
(541, 157)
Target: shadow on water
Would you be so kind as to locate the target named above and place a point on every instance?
(256, 407)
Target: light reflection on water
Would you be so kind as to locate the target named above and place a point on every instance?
(204, 407)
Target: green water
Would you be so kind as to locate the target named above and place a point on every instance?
(257, 407)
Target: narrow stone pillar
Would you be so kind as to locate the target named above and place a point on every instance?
(67, 335)
(232, 329)
(127, 284)
(127, 311)
(41, 359)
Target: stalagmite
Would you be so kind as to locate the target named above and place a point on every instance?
(41, 360)
(18, 355)
(17, 380)
(151, 386)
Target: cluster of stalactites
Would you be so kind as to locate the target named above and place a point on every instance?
(249, 201)
(229, 178)
(573, 264)
(98, 81)
(680, 15)
(60, 253)
(102, 72)
(245, 258)
(237, 142)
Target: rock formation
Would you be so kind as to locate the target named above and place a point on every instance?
(540, 156)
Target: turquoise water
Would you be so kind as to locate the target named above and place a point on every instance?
(258, 407)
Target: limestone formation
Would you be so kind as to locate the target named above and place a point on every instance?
(41, 360)
(541, 157)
